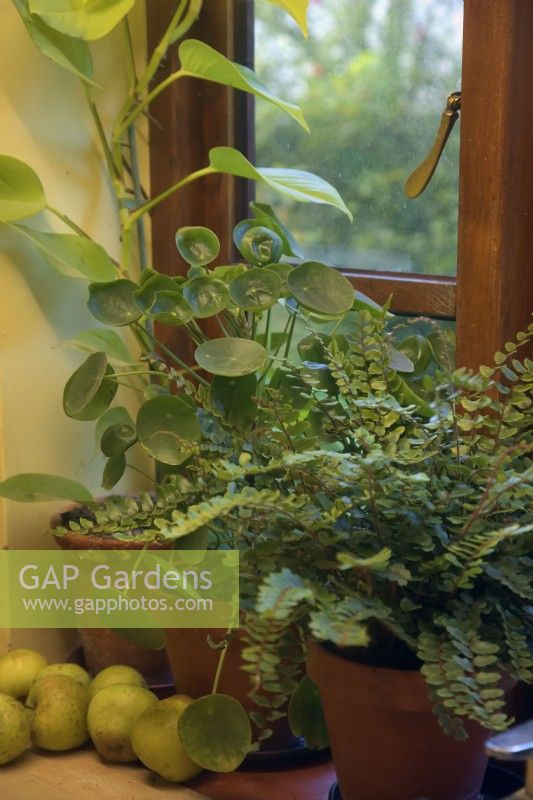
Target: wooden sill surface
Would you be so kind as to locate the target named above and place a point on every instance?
(82, 775)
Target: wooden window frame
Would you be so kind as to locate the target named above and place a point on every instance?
(492, 296)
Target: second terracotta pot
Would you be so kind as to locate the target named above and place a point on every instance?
(385, 738)
(102, 647)
(194, 663)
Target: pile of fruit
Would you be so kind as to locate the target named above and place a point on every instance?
(58, 707)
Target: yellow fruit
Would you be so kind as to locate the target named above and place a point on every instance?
(73, 671)
(156, 741)
(60, 719)
(18, 670)
(118, 673)
(113, 712)
(14, 729)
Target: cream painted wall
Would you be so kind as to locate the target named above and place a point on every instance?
(45, 122)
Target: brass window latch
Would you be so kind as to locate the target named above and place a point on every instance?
(421, 176)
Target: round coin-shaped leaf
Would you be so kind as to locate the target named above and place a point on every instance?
(197, 245)
(283, 271)
(167, 426)
(117, 439)
(170, 308)
(321, 289)
(144, 296)
(216, 732)
(207, 296)
(230, 356)
(113, 302)
(243, 227)
(88, 391)
(256, 289)
(261, 246)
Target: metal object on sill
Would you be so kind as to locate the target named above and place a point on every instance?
(421, 176)
(516, 744)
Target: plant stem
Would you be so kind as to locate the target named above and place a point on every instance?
(127, 385)
(168, 192)
(162, 47)
(137, 188)
(139, 372)
(68, 221)
(283, 333)
(101, 135)
(199, 332)
(254, 325)
(291, 333)
(130, 119)
(173, 356)
(267, 330)
(220, 664)
(222, 328)
(131, 55)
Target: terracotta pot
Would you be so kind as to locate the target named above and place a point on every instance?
(101, 646)
(386, 741)
(194, 663)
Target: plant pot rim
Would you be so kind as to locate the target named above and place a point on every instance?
(381, 687)
(97, 541)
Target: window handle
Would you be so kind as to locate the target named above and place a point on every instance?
(421, 176)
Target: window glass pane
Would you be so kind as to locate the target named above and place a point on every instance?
(372, 80)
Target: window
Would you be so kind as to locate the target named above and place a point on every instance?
(492, 295)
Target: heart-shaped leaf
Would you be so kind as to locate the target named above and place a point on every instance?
(117, 415)
(39, 488)
(113, 303)
(295, 183)
(21, 191)
(306, 716)
(83, 19)
(297, 9)
(113, 471)
(207, 296)
(117, 439)
(71, 54)
(230, 356)
(260, 245)
(283, 271)
(170, 308)
(88, 391)
(167, 427)
(256, 289)
(197, 245)
(265, 215)
(101, 339)
(144, 296)
(72, 255)
(232, 398)
(321, 289)
(216, 732)
(199, 60)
